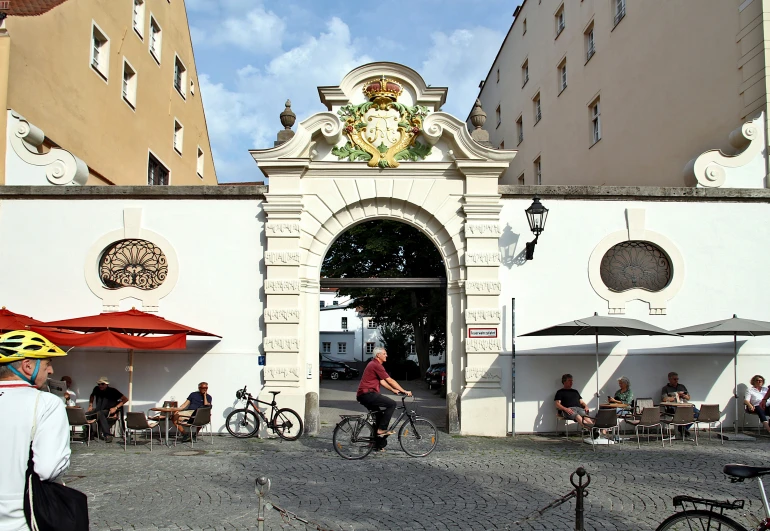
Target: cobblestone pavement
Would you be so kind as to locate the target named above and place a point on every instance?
(467, 483)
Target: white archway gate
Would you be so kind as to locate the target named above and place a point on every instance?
(385, 152)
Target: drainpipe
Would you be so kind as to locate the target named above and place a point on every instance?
(5, 59)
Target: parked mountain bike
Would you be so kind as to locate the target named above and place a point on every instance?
(712, 517)
(244, 422)
(355, 436)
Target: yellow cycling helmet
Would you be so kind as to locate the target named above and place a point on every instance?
(21, 344)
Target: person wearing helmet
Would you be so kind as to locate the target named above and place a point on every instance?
(25, 365)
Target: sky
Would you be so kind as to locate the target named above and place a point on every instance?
(253, 55)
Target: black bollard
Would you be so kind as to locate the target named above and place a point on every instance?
(580, 493)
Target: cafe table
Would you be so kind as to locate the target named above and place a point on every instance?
(614, 406)
(167, 414)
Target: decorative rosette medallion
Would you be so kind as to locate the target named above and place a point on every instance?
(381, 130)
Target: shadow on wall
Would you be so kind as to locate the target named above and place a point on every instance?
(155, 372)
(507, 243)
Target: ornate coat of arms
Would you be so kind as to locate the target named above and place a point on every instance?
(381, 130)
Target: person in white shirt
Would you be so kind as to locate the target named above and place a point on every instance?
(25, 365)
(755, 401)
(70, 397)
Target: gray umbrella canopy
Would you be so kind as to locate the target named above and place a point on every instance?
(597, 325)
(730, 327)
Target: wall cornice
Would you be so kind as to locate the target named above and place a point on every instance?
(636, 193)
(134, 192)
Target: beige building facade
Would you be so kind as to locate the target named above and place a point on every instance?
(617, 92)
(112, 82)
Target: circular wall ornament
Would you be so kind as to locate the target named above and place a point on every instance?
(133, 263)
(635, 264)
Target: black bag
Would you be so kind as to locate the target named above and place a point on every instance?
(49, 506)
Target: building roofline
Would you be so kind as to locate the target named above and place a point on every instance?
(30, 8)
(481, 89)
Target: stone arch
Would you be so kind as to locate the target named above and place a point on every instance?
(448, 245)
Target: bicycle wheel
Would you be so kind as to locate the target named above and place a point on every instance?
(242, 423)
(418, 437)
(699, 520)
(287, 424)
(353, 438)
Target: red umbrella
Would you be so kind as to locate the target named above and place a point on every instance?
(122, 329)
(10, 321)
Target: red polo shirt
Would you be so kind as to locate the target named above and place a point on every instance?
(370, 381)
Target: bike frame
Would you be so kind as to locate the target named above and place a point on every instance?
(369, 419)
(251, 401)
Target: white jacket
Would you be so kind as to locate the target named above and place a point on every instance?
(51, 446)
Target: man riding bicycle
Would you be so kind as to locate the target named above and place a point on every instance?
(369, 396)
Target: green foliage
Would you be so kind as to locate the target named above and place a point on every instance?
(348, 151)
(395, 337)
(391, 249)
(414, 152)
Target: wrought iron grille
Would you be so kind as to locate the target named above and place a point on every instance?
(133, 263)
(635, 264)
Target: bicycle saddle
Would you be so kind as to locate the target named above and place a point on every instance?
(274, 393)
(745, 471)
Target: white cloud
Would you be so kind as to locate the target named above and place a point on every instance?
(460, 61)
(258, 31)
(250, 108)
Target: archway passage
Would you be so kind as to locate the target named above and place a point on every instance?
(397, 278)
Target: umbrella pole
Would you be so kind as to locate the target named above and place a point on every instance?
(130, 377)
(735, 380)
(597, 371)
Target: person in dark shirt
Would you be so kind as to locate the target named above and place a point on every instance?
(197, 399)
(570, 404)
(675, 392)
(104, 402)
(368, 394)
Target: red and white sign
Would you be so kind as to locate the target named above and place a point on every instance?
(482, 332)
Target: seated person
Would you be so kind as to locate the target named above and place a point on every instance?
(624, 395)
(70, 397)
(673, 391)
(196, 400)
(570, 404)
(755, 401)
(103, 403)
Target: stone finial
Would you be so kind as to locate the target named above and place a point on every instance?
(478, 118)
(287, 120)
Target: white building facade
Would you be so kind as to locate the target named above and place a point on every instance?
(244, 263)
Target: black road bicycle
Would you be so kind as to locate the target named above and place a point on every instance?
(712, 517)
(244, 422)
(355, 436)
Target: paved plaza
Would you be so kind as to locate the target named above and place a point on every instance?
(467, 483)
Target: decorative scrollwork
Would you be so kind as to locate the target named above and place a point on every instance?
(635, 264)
(133, 263)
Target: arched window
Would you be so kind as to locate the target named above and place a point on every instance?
(635, 264)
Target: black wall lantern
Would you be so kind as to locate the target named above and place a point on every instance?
(536, 216)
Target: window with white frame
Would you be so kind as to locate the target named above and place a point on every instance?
(520, 129)
(326, 347)
(498, 75)
(129, 84)
(562, 75)
(372, 323)
(178, 137)
(596, 122)
(498, 116)
(525, 72)
(199, 164)
(137, 18)
(335, 303)
(344, 323)
(538, 171)
(157, 173)
(342, 348)
(370, 348)
(590, 44)
(412, 349)
(156, 39)
(537, 108)
(521, 179)
(180, 77)
(100, 52)
(322, 304)
(560, 20)
(619, 11)
(524, 30)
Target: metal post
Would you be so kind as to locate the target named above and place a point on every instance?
(262, 488)
(580, 493)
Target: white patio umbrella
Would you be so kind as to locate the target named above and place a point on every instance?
(730, 327)
(597, 325)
